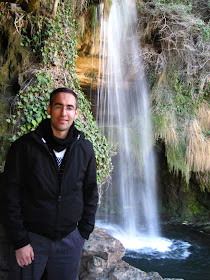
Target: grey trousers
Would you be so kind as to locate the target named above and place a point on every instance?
(61, 258)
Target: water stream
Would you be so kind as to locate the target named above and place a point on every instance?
(124, 117)
(129, 204)
(187, 257)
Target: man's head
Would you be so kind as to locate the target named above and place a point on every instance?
(63, 109)
(65, 90)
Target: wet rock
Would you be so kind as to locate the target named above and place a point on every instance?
(102, 260)
(153, 276)
(104, 246)
(124, 271)
(96, 265)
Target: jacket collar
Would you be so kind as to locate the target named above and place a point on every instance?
(38, 133)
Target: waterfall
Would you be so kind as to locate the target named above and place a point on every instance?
(123, 114)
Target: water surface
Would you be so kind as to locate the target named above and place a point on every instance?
(188, 257)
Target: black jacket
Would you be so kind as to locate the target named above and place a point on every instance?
(43, 200)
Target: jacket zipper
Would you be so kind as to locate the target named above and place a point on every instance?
(60, 175)
(63, 164)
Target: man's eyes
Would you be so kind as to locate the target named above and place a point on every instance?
(59, 107)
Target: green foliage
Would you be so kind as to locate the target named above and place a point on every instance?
(93, 17)
(185, 101)
(204, 28)
(194, 207)
(174, 104)
(32, 34)
(176, 3)
(158, 120)
(91, 75)
(168, 128)
(30, 106)
(176, 98)
(204, 179)
(176, 159)
(53, 41)
(186, 2)
(87, 124)
(61, 40)
(206, 90)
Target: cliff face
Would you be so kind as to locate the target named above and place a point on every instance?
(179, 202)
(175, 51)
(174, 43)
(12, 59)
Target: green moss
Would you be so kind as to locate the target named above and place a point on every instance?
(203, 179)
(206, 91)
(93, 10)
(175, 103)
(11, 62)
(107, 6)
(176, 160)
(11, 53)
(194, 207)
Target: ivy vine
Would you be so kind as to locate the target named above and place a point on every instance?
(53, 42)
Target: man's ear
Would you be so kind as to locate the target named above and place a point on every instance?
(49, 109)
(76, 114)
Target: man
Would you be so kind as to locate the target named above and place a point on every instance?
(51, 190)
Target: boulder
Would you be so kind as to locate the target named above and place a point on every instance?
(102, 260)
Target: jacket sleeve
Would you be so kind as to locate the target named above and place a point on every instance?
(13, 184)
(90, 198)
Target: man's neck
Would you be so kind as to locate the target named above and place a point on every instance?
(59, 134)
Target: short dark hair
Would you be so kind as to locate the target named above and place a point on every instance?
(65, 90)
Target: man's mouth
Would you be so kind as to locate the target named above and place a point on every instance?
(62, 120)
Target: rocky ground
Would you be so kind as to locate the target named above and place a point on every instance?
(101, 260)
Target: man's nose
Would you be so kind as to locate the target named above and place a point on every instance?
(63, 111)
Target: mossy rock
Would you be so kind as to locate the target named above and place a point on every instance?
(179, 201)
(12, 58)
(11, 54)
(30, 6)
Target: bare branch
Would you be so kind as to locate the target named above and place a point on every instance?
(55, 7)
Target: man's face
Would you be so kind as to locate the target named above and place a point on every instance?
(63, 112)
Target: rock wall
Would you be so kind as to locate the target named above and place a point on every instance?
(101, 260)
(12, 59)
(179, 202)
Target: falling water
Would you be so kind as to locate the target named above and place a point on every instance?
(124, 117)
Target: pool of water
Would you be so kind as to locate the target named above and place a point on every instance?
(181, 252)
